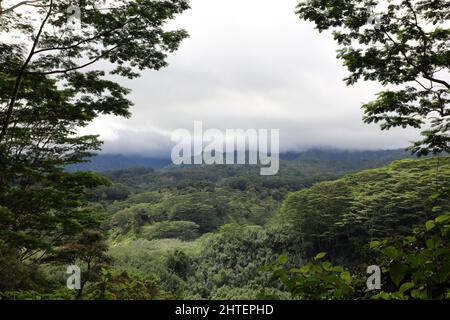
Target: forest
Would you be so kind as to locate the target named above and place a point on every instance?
(142, 229)
(225, 232)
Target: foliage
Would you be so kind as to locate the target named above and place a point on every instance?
(134, 217)
(47, 92)
(232, 256)
(61, 294)
(88, 250)
(417, 266)
(43, 209)
(204, 231)
(121, 286)
(152, 258)
(313, 280)
(179, 263)
(401, 44)
(248, 292)
(224, 264)
(207, 209)
(339, 217)
(15, 275)
(153, 255)
(183, 230)
(114, 192)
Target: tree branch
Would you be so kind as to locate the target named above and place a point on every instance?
(444, 83)
(408, 60)
(424, 47)
(19, 78)
(22, 3)
(98, 35)
(103, 55)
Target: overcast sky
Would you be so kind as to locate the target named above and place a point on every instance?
(248, 64)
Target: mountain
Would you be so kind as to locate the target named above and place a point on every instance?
(210, 229)
(337, 161)
(107, 162)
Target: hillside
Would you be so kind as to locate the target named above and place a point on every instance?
(209, 241)
(340, 216)
(345, 160)
(212, 196)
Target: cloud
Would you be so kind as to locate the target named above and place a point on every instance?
(249, 64)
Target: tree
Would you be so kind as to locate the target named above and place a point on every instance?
(49, 88)
(113, 285)
(340, 216)
(405, 48)
(415, 266)
(89, 249)
(312, 281)
(128, 34)
(183, 230)
(232, 256)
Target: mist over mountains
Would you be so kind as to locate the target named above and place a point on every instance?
(343, 158)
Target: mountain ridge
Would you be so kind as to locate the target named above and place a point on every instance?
(111, 162)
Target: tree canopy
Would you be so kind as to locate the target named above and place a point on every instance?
(403, 45)
(50, 87)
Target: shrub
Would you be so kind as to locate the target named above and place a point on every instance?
(182, 230)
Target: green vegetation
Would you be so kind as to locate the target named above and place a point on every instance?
(218, 232)
(182, 230)
(228, 261)
(223, 239)
(50, 87)
(416, 266)
(340, 216)
(402, 45)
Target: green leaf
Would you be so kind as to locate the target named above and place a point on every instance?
(282, 259)
(409, 239)
(327, 266)
(397, 272)
(432, 243)
(436, 209)
(442, 218)
(346, 277)
(305, 268)
(338, 269)
(406, 286)
(390, 252)
(320, 255)
(429, 225)
(415, 293)
(375, 244)
(278, 273)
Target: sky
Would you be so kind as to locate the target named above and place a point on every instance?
(248, 64)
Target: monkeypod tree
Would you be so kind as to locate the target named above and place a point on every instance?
(402, 44)
(53, 57)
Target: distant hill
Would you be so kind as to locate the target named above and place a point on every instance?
(336, 161)
(108, 162)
